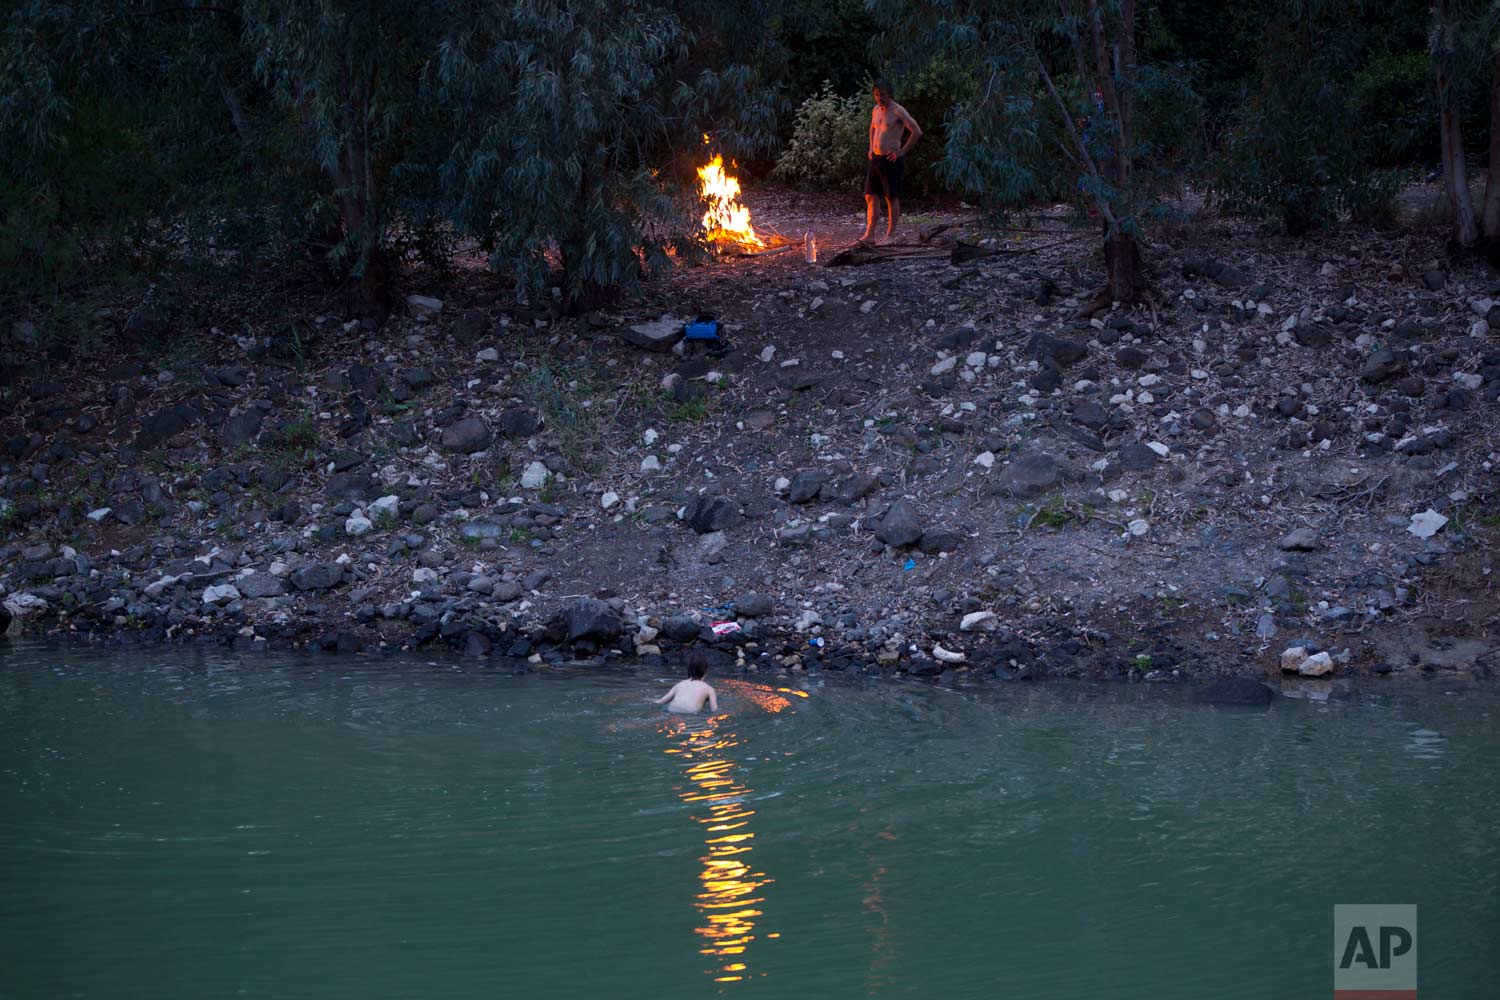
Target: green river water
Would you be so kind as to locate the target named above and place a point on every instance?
(176, 824)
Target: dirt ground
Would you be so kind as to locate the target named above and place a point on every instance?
(1181, 488)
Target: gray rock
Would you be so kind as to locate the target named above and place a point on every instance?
(242, 428)
(901, 526)
(518, 422)
(261, 584)
(466, 436)
(164, 425)
(710, 513)
(349, 486)
(806, 484)
(506, 591)
(1056, 351)
(1300, 540)
(587, 618)
(1434, 280)
(318, 576)
(1091, 415)
(680, 628)
(1030, 475)
(1202, 419)
(1381, 365)
(753, 605)
(480, 585)
(1136, 457)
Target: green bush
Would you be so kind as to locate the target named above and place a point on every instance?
(829, 142)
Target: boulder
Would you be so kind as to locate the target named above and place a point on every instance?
(1137, 457)
(466, 436)
(1030, 475)
(586, 618)
(1056, 351)
(806, 484)
(242, 428)
(261, 584)
(901, 526)
(1300, 540)
(753, 605)
(710, 513)
(317, 576)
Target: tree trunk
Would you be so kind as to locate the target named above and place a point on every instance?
(1123, 264)
(1491, 214)
(1455, 170)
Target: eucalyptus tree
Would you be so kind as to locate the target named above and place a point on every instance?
(569, 129)
(1058, 87)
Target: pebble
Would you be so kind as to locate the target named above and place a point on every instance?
(650, 464)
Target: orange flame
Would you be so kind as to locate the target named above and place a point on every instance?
(726, 219)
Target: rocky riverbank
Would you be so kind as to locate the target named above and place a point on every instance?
(909, 467)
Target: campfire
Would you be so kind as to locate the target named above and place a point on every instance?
(726, 221)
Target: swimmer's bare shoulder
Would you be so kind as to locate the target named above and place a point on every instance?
(689, 695)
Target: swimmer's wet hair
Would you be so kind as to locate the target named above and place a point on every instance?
(697, 664)
(884, 86)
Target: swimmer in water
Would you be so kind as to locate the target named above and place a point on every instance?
(689, 695)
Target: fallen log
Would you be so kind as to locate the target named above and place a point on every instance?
(861, 254)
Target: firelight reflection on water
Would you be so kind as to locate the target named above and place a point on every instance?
(730, 897)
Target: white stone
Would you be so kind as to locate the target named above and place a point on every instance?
(714, 378)
(1148, 381)
(782, 484)
(987, 621)
(1118, 496)
(609, 500)
(945, 366)
(424, 306)
(358, 524)
(386, 506)
(1469, 380)
(488, 354)
(1159, 448)
(650, 464)
(1427, 523)
(868, 306)
(975, 359)
(1138, 527)
(221, 594)
(535, 476)
(98, 515)
(650, 436)
(985, 459)
(1481, 307)
(1316, 665)
(1479, 329)
(947, 655)
(423, 574)
(767, 353)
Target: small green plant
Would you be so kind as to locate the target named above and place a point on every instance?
(688, 411)
(518, 535)
(1053, 514)
(1142, 662)
(385, 520)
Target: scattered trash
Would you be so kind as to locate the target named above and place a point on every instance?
(1427, 523)
(725, 628)
(817, 641)
(910, 564)
(702, 328)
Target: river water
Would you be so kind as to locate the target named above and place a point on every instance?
(179, 824)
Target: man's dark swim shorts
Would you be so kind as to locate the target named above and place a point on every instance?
(884, 177)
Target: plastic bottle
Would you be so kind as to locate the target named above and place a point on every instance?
(810, 248)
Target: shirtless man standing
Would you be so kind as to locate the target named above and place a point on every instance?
(887, 158)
